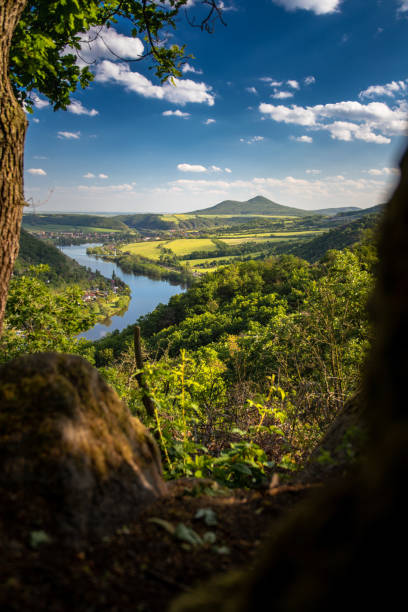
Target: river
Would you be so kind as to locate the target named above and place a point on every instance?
(146, 293)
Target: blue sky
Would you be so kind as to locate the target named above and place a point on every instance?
(303, 101)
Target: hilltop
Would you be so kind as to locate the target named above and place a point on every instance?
(259, 205)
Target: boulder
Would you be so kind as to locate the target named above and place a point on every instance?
(74, 463)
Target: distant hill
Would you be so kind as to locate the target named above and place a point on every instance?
(348, 217)
(335, 211)
(77, 220)
(259, 205)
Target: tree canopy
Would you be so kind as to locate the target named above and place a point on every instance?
(50, 34)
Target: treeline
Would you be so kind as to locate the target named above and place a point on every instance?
(75, 220)
(339, 238)
(137, 264)
(62, 270)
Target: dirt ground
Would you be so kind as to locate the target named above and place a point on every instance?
(196, 531)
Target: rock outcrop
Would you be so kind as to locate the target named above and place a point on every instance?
(73, 461)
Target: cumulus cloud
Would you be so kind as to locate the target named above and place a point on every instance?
(76, 107)
(106, 43)
(303, 138)
(215, 169)
(252, 140)
(36, 120)
(313, 171)
(37, 171)
(103, 176)
(403, 8)
(251, 90)
(294, 84)
(319, 7)
(176, 113)
(228, 170)
(282, 95)
(383, 171)
(39, 102)
(350, 120)
(180, 92)
(191, 168)
(389, 89)
(209, 121)
(272, 82)
(188, 68)
(89, 175)
(309, 80)
(69, 135)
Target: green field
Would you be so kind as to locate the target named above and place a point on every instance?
(181, 246)
(152, 249)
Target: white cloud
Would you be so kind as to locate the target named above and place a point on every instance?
(339, 190)
(37, 171)
(309, 80)
(191, 168)
(313, 171)
(251, 90)
(106, 43)
(36, 120)
(389, 89)
(281, 95)
(104, 188)
(176, 113)
(180, 92)
(69, 135)
(349, 120)
(76, 107)
(383, 171)
(272, 82)
(209, 121)
(303, 138)
(294, 84)
(39, 102)
(320, 7)
(228, 170)
(215, 169)
(103, 176)
(252, 140)
(188, 68)
(403, 6)
(89, 175)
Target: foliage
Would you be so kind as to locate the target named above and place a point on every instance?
(40, 319)
(40, 59)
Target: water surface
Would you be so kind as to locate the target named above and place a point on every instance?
(146, 293)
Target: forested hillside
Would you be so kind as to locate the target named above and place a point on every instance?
(62, 269)
(338, 238)
(254, 361)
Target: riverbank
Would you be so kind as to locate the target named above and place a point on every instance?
(137, 264)
(145, 292)
(108, 306)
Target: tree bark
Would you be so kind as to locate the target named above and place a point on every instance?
(13, 124)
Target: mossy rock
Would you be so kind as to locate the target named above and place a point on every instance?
(72, 458)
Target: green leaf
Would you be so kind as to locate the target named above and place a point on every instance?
(208, 515)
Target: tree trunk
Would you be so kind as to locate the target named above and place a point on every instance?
(12, 134)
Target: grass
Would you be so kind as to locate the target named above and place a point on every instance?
(145, 249)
